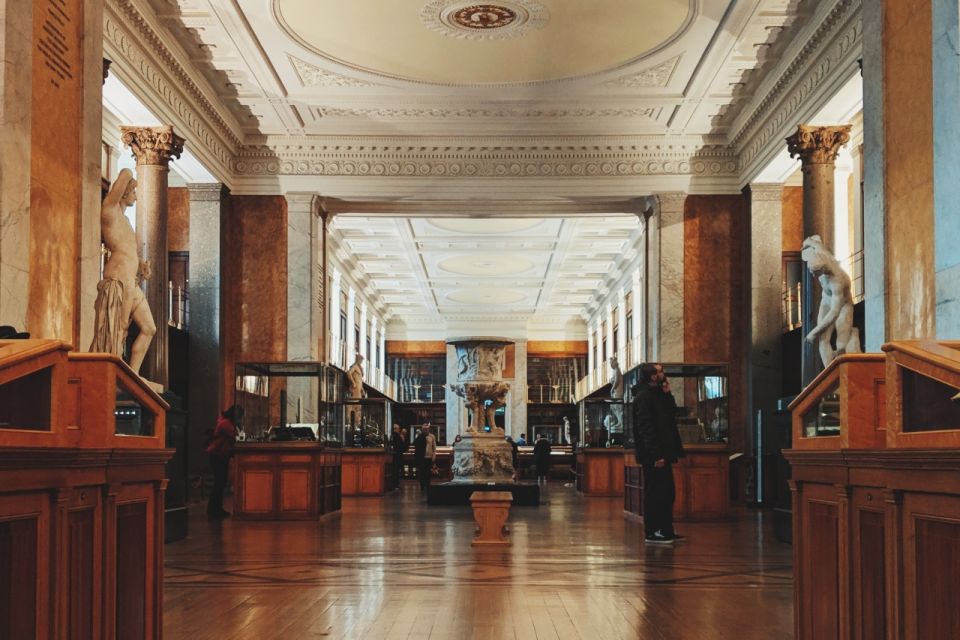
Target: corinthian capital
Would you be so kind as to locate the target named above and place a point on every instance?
(152, 145)
(817, 145)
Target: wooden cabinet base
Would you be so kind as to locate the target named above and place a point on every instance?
(289, 481)
(701, 479)
(366, 472)
(600, 472)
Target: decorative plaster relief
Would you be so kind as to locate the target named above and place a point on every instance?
(468, 20)
(313, 76)
(655, 76)
(401, 113)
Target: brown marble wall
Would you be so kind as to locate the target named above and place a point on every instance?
(178, 219)
(55, 171)
(416, 347)
(792, 223)
(253, 307)
(716, 293)
(908, 188)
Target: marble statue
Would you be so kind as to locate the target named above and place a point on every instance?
(498, 398)
(355, 377)
(566, 430)
(616, 380)
(836, 302)
(119, 297)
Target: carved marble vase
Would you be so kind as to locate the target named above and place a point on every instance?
(483, 455)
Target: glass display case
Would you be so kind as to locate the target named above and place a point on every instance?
(284, 401)
(366, 423)
(702, 397)
(602, 422)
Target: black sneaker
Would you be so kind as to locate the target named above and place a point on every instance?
(678, 538)
(659, 538)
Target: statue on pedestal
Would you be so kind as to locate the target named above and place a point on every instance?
(355, 378)
(616, 380)
(119, 297)
(836, 302)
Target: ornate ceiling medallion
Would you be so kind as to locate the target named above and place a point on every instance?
(471, 21)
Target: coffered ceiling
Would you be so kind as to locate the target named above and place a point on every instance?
(436, 272)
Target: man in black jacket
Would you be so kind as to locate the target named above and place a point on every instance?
(397, 446)
(658, 446)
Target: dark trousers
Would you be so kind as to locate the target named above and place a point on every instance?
(658, 496)
(221, 466)
(423, 473)
(397, 469)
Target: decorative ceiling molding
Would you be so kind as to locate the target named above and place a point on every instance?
(657, 76)
(467, 20)
(472, 113)
(799, 85)
(313, 76)
(143, 60)
(466, 157)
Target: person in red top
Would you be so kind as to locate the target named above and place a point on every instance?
(219, 452)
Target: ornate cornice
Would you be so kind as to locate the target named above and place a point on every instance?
(475, 113)
(789, 89)
(533, 157)
(152, 145)
(142, 58)
(818, 145)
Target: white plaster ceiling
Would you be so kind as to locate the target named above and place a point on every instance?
(443, 271)
(370, 67)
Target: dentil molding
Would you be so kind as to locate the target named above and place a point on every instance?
(539, 157)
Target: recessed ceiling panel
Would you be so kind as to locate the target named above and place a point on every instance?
(464, 42)
(486, 296)
(489, 264)
(485, 226)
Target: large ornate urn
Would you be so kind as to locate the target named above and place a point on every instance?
(483, 455)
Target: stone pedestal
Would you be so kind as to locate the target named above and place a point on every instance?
(491, 509)
(482, 458)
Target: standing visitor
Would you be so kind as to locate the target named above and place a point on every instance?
(219, 451)
(522, 440)
(541, 458)
(424, 454)
(397, 447)
(658, 446)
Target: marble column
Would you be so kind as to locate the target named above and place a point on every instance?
(766, 286)
(518, 392)
(303, 286)
(153, 148)
(671, 289)
(817, 148)
(622, 329)
(204, 400)
(639, 330)
(591, 365)
(336, 340)
(352, 347)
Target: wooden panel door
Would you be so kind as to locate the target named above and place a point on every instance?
(819, 573)
(295, 494)
(868, 539)
(25, 566)
(258, 491)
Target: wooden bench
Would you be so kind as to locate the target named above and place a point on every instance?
(490, 512)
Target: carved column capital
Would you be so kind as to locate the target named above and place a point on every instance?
(818, 145)
(152, 145)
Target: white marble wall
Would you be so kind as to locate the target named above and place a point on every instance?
(766, 295)
(303, 311)
(516, 422)
(671, 248)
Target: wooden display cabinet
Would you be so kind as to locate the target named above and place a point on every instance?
(82, 464)
(876, 520)
(286, 481)
(599, 472)
(701, 479)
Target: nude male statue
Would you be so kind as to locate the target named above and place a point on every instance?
(119, 297)
(836, 302)
(355, 377)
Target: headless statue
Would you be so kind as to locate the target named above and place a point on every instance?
(836, 302)
(119, 297)
(355, 377)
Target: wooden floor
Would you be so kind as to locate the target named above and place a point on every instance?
(393, 568)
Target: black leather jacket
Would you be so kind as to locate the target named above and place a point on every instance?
(655, 432)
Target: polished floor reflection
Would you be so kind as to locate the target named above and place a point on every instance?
(393, 568)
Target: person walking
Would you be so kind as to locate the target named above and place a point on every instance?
(541, 458)
(657, 447)
(424, 455)
(219, 451)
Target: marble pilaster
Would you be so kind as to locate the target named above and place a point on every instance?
(817, 148)
(302, 283)
(153, 148)
(336, 340)
(204, 401)
(637, 317)
(518, 392)
(351, 336)
(362, 347)
(590, 357)
(621, 352)
(766, 287)
(671, 266)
